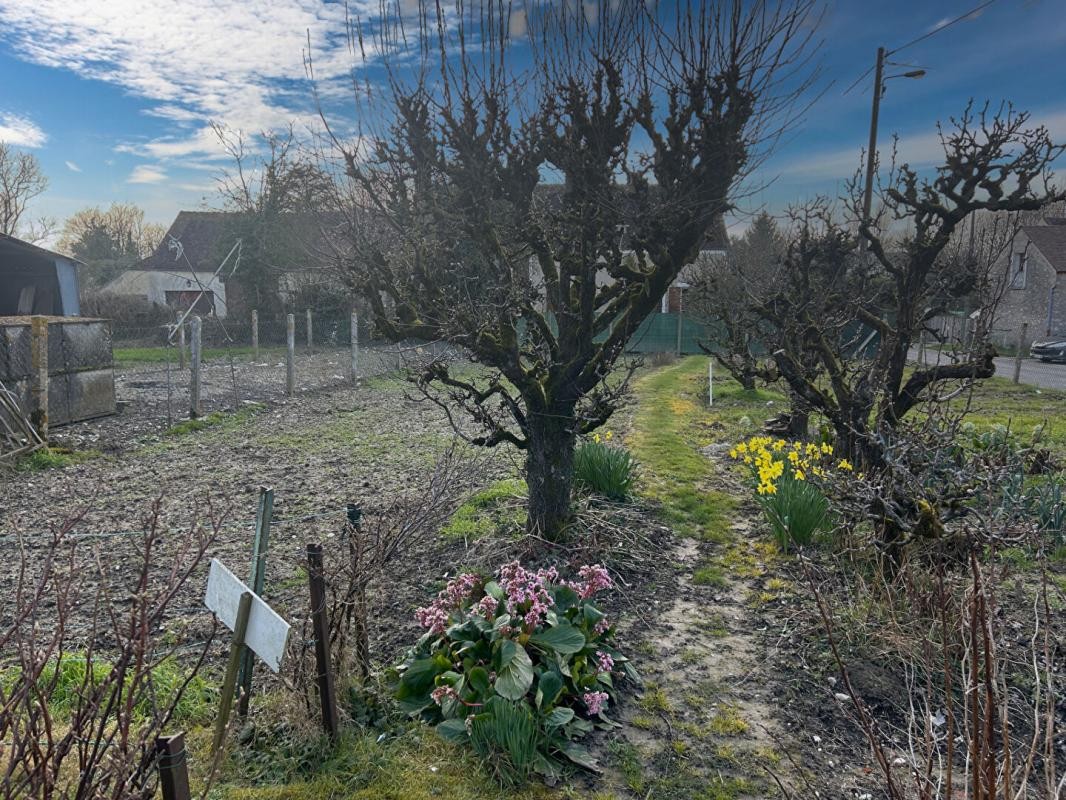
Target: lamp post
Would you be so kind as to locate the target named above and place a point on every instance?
(871, 153)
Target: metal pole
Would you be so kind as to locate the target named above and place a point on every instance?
(355, 347)
(255, 334)
(710, 382)
(194, 376)
(1021, 349)
(173, 767)
(181, 345)
(310, 341)
(290, 355)
(229, 684)
(320, 628)
(871, 153)
(256, 578)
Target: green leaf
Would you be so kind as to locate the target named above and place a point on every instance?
(565, 598)
(494, 590)
(563, 638)
(478, 678)
(580, 756)
(548, 689)
(454, 730)
(559, 717)
(419, 676)
(515, 673)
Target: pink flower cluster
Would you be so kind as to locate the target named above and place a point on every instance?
(434, 617)
(486, 607)
(601, 627)
(595, 578)
(527, 592)
(595, 701)
(442, 693)
(604, 661)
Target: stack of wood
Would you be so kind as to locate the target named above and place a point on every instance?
(17, 434)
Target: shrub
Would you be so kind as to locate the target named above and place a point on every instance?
(519, 668)
(785, 477)
(604, 469)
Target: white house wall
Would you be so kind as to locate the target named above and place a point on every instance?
(154, 284)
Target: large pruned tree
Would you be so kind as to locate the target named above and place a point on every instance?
(642, 119)
(902, 269)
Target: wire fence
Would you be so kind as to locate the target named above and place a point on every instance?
(246, 362)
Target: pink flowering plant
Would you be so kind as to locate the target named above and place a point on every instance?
(520, 667)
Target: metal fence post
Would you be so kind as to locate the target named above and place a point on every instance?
(39, 365)
(194, 371)
(355, 347)
(255, 334)
(257, 579)
(310, 340)
(173, 767)
(1021, 349)
(320, 629)
(181, 345)
(290, 355)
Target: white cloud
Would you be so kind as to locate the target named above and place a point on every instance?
(146, 173)
(20, 131)
(198, 60)
(72, 166)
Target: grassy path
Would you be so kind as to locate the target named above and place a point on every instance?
(702, 729)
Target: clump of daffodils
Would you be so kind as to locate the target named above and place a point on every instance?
(773, 460)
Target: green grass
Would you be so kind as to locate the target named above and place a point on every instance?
(671, 424)
(53, 458)
(224, 420)
(497, 508)
(1021, 408)
(133, 356)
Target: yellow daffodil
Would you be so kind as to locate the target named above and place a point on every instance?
(845, 465)
(800, 475)
(827, 448)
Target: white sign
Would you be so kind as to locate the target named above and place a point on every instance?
(267, 632)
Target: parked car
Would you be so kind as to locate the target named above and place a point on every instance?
(1049, 351)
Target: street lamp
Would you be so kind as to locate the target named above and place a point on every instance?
(879, 88)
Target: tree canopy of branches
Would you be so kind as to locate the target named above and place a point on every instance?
(109, 241)
(726, 288)
(276, 190)
(21, 180)
(643, 118)
(913, 261)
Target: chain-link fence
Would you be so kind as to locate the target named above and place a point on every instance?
(245, 362)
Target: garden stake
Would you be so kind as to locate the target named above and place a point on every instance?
(320, 628)
(229, 684)
(173, 767)
(256, 577)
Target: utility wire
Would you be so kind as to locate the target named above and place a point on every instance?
(943, 27)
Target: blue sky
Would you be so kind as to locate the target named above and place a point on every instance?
(116, 97)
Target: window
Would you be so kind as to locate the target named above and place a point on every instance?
(1018, 264)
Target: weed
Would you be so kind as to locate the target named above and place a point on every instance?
(728, 722)
(497, 508)
(53, 458)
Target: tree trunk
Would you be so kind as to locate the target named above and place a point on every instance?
(799, 416)
(550, 474)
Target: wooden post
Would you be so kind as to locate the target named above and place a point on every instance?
(290, 355)
(39, 381)
(194, 376)
(921, 349)
(355, 347)
(173, 767)
(181, 345)
(710, 383)
(1022, 334)
(256, 578)
(320, 628)
(229, 683)
(255, 334)
(310, 340)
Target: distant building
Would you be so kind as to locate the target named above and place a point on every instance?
(1035, 275)
(36, 281)
(181, 271)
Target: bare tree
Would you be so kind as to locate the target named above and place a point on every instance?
(915, 265)
(21, 180)
(644, 118)
(109, 241)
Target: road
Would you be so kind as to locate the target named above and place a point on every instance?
(1033, 373)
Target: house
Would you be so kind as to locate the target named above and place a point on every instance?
(1034, 269)
(181, 273)
(36, 281)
